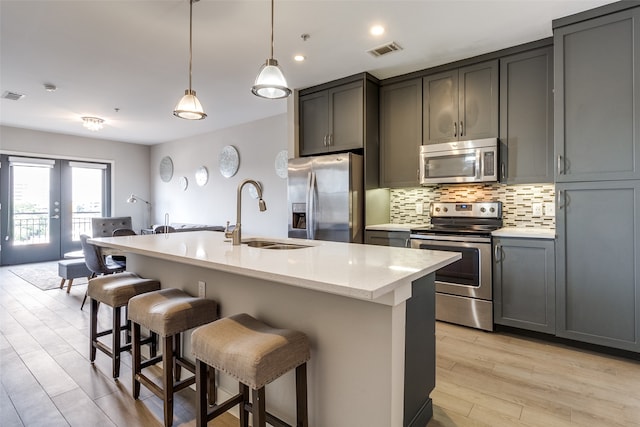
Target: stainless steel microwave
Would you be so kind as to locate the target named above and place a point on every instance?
(459, 162)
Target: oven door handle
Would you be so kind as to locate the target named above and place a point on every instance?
(451, 240)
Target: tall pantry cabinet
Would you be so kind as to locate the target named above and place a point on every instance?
(597, 156)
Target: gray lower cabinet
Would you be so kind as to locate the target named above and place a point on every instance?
(597, 98)
(524, 283)
(598, 263)
(526, 117)
(399, 239)
(461, 104)
(400, 133)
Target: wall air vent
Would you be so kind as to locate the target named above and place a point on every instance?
(385, 49)
(12, 95)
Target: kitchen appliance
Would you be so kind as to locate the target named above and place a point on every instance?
(326, 197)
(463, 289)
(459, 162)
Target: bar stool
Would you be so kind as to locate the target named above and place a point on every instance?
(167, 312)
(115, 290)
(255, 354)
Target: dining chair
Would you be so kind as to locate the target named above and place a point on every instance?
(96, 262)
(164, 229)
(123, 232)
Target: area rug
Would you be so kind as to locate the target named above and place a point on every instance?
(43, 275)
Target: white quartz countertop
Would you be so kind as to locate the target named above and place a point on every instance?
(354, 270)
(393, 227)
(526, 232)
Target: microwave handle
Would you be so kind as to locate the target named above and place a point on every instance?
(479, 164)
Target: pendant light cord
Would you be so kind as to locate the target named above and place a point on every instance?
(190, 39)
(272, 1)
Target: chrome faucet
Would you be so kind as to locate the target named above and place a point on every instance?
(235, 233)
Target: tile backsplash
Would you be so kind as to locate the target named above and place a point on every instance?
(517, 200)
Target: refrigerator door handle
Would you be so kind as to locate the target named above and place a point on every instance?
(308, 205)
(311, 207)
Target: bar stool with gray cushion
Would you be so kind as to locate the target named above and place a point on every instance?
(167, 312)
(255, 354)
(115, 290)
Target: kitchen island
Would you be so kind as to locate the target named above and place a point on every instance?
(368, 312)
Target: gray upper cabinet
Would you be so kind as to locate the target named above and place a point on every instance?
(461, 104)
(400, 133)
(598, 263)
(526, 117)
(597, 98)
(524, 284)
(332, 120)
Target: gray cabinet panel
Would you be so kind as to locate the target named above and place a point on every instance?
(440, 107)
(400, 133)
(597, 131)
(332, 120)
(598, 263)
(346, 119)
(399, 239)
(526, 117)
(314, 122)
(478, 106)
(524, 284)
(461, 104)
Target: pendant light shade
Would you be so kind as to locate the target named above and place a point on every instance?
(270, 82)
(189, 106)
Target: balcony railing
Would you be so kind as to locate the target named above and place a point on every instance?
(34, 227)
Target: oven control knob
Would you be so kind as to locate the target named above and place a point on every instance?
(492, 210)
(445, 209)
(483, 210)
(437, 209)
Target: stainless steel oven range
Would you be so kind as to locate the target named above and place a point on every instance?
(463, 289)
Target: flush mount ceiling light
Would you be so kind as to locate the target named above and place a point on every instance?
(93, 123)
(189, 106)
(270, 82)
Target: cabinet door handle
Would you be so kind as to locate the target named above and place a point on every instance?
(560, 196)
(559, 164)
(455, 128)
(324, 140)
(496, 253)
(503, 170)
(461, 128)
(330, 139)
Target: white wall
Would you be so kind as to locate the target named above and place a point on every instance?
(130, 162)
(258, 143)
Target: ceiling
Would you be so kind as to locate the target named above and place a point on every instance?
(126, 61)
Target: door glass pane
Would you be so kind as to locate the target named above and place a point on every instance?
(86, 199)
(30, 201)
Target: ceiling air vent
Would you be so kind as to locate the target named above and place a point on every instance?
(385, 49)
(12, 96)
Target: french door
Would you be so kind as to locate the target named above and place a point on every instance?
(46, 204)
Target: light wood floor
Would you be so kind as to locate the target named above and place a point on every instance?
(483, 379)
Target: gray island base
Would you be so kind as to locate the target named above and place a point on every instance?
(367, 310)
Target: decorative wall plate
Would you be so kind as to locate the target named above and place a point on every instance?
(282, 164)
(202, 176)
(183, 182)
(229, 160)
(166, 169)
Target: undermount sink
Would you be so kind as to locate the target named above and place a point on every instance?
(268, 244)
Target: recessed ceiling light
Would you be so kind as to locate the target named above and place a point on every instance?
(377, 30)
(299, 58)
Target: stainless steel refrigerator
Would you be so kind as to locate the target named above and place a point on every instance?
(326, 198)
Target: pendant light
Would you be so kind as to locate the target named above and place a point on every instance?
(189, 107)
(270, 82)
